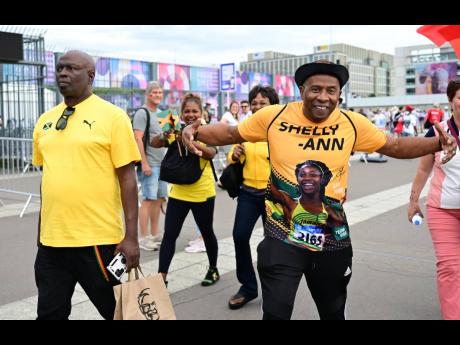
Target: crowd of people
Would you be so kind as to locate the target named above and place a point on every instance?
(88, 147)
(406, 120)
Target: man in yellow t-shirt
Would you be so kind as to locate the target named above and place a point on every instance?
(314, 130)
(87, 150)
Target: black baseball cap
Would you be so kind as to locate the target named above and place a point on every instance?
(305, 71)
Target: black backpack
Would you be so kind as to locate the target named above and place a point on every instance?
(146, 137)
(181, 167)
(232, 178)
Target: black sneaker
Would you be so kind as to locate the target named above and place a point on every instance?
(211, 277)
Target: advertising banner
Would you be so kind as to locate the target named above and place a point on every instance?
(121, 73)
(204, 79)
(227, 77)
(433, 78)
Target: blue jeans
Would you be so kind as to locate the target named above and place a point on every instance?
(248, 210)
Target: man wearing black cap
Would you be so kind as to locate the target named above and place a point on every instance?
(305, 236)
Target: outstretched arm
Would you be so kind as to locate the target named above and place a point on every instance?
(215, 135)
(413, 147)
(207, 152)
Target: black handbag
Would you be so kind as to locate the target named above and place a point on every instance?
(232, 179)
(180, 167)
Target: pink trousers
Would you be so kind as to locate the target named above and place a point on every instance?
(444, 225)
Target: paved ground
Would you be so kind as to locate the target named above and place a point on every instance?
(394, 273)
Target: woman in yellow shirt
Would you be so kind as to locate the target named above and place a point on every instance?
(198, 197)
(251, 203)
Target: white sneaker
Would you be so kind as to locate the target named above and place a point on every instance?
(197, 247)
(157, 238)
(196, 240)
(147, 244)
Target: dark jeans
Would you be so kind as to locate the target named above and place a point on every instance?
(281, 266)
(250, 207)
(58, 270)
(176, 212)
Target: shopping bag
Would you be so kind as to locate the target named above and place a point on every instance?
(117, 315)
(143, 298)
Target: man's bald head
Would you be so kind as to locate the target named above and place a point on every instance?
(75, 73)
(82, 57)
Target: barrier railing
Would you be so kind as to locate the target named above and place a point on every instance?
(17, 174)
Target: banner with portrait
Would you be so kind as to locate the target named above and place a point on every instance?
(434, 78)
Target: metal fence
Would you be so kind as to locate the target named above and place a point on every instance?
(23, 97)
(21, 103)
(17, 174)
(23, 94)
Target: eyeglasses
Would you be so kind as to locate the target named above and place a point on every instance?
(62, 122)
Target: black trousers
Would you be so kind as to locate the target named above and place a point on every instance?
(58, 270)
(176, 212)
(281, 266)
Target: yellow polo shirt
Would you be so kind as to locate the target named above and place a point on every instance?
(81, 202)
(293, 139)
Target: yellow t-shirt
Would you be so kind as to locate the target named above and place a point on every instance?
(201, 190)
(256, 170)
(81, 202)
(294, 139)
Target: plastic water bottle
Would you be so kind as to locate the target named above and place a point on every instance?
(417, 219)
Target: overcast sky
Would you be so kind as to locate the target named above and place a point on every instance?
(212, 45)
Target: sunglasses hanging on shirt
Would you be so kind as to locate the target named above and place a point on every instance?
(62, 122)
